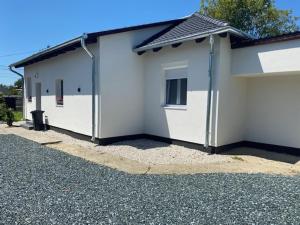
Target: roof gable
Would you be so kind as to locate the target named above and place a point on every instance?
(196, 24)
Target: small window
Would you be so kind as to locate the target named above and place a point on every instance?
(176, 87)
(59, 92)
(28, 89)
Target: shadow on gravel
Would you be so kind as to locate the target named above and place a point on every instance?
(264, 154)
(143, 144)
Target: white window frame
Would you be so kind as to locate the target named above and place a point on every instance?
(170, 67)
(57, 82)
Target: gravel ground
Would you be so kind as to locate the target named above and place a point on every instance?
(151, 157)
(142, 150)
(159, 153)
(39, 185)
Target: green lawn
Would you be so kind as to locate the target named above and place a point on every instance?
(18, 116)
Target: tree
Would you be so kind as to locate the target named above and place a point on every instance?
(13, 91)
(18, 84)
(3, 89)
(259, 18)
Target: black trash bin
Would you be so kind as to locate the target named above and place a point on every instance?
(37, 117)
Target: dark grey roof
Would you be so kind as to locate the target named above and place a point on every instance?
(194, 25)
(177, 31)
(92, 38)
(267, 40)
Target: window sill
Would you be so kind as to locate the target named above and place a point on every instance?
(59, 106)
(175, 107)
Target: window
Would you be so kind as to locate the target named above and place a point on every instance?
(176, 87)
(28, 89)
(59, 92)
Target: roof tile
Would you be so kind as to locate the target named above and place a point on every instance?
(195, 24)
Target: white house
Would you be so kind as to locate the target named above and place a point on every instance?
(154, 81)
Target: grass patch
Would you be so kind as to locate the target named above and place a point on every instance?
(237, 158)
(18, 116)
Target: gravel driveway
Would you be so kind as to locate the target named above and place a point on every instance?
(39, 185)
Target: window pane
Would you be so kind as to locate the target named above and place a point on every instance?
(171, 92)
(183, 91)
(59, 92)
(61, 88)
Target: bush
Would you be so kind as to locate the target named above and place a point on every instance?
(3, 109)
(18, 116)
(6, 114)
(10, 117)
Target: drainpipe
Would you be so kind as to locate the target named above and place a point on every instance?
(83, 45)
(22, 77)
(209, 100)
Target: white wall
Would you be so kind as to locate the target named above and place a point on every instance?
(262, 109)
(75, 70)
(229, 95)
(272, 102)
(122, 83)
(182, 124)
(281, 57)
(232, 92)
(273, 106)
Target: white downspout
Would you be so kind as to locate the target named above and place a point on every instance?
(23, 94)
(83, 45)
(209, 100)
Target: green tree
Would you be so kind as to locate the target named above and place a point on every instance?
(18, 83)
(13, 91)
(260, 18)
(3, 89)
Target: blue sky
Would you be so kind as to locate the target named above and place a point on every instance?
(31, 25)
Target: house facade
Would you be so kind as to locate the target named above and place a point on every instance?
(194, 81)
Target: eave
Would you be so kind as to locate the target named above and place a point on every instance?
(228, 29)
(52, 52)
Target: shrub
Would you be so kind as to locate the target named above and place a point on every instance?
(10, 117)
(7, 114)
(18, 116)
(3, 109)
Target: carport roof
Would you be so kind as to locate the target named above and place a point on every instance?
(267, 40)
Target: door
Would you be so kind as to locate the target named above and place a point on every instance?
(38, 95)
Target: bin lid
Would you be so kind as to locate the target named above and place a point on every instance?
(37, 111)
